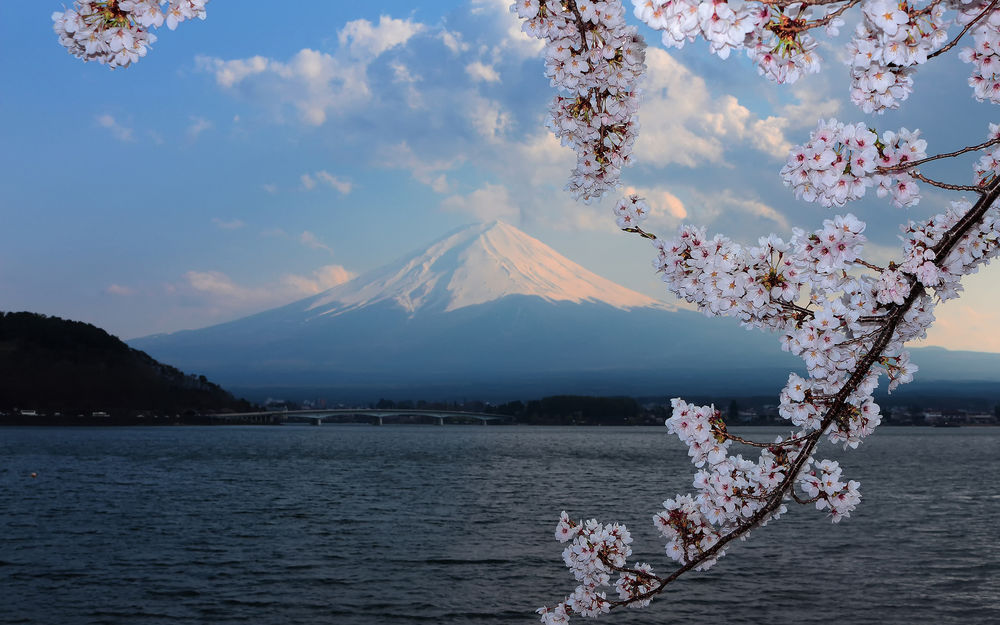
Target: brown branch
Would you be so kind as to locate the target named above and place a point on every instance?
(951, 44)
(787, 441)
(945, 185)
(580, 26)
(871, 318)
(781, 4)
(972, 148)
(642, 233)
(858, 261)
(804, 501)
(834, 412)
(823, 21)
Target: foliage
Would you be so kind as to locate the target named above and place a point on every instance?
(51, 364)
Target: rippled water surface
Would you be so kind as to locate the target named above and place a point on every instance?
(411, 524)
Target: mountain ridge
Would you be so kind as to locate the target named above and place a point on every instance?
(487, 307)
(476, 264)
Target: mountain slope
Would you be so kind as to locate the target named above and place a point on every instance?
(475, 265)
(490, 311)
(50, 363)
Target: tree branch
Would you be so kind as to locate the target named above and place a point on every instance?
(834, 412)
(951, 44)
(971, 148)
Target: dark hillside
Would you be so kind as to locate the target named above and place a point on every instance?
(51, 364)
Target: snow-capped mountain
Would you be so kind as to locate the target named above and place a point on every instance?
(472, 266)
(487, 311)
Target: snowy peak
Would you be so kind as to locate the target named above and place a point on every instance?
(475, 265)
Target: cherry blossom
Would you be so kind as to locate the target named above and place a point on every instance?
(846, 318)
(595, 59)
(116, 32)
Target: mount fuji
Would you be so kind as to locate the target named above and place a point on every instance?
(486, 311)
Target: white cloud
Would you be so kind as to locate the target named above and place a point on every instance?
(512, 38)
(452, 41)
(122, 133)
(309, 181)
(315, 83)
(485, 204)
(218, 295)
(366, 41)
(311, 241)
(119, 290)
(229, 73)
(424, 170)
(231, 224)
(341, 185)
(714, 205)
(486, 116)
(812, 103)
(198, 125)
(324, 278)
(684, 124)
(481, 72)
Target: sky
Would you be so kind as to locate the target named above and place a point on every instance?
(275, 150)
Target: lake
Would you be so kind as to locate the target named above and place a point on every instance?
(406, 524)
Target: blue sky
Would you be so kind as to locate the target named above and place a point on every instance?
(259, 156)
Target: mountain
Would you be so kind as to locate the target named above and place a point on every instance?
(52, 364)
(486, 311)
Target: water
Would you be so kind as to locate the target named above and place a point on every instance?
(412, 524)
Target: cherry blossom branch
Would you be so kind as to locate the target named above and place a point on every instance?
(944, 185)
(858, 261)
(836, 412)
(782, 443)
(580, 25)
(823, 21)
(971, 148)
(781, 4)
(968, 27)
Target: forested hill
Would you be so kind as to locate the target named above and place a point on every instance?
(51, 364)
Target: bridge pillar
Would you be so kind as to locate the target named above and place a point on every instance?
(317, 421)
(439, 420)
(378, 420)
(483, 421)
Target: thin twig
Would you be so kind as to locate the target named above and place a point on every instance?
(858, 261)
(972, 148)
(642, 233)
(951, 44)
(944, 185)
(823, 21)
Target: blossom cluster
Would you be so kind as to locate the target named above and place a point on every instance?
(595, 58)
(780, 54)
(985, 54)
(824, 486)
(977, 246)
(890, 41)
(893, 38)
(116, 32)
(630, 212)
(596, 551)
(840, 161)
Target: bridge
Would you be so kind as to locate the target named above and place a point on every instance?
(376, 415)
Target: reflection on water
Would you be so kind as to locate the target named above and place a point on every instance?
(407, 524)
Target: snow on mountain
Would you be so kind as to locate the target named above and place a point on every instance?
(475, 265)
(489, 311)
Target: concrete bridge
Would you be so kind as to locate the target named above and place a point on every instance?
(377, 416)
